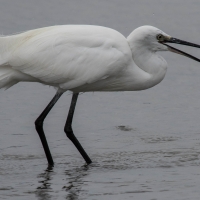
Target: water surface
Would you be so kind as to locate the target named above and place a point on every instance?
(144, 145)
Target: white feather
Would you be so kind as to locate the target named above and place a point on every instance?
(72, 57)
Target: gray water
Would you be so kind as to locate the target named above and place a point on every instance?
(144, 145)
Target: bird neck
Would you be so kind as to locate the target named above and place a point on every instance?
(150, 63)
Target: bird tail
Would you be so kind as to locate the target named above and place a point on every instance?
(6, 77)
(6, 72)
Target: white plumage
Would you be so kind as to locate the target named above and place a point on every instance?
(82, 58)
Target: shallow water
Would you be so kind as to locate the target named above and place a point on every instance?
(144, 145)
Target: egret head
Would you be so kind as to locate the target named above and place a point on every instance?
(147, 37)
(154, 39)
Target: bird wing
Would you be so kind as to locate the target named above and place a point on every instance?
(70, 56)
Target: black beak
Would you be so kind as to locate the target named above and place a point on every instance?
(182, 42)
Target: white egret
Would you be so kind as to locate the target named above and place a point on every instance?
(83, 58)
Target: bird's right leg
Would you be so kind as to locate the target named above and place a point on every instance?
(39, 126)
(69, 132)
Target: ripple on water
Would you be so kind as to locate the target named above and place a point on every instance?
(124, 128)
(146, 159)
(6, 188)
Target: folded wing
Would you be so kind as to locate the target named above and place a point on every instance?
(70, 56)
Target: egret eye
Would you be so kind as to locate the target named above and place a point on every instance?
(160, 37)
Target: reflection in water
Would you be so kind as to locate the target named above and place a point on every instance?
(43, 191)
(75, 177)
(72, 184)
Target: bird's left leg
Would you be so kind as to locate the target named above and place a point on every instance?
(39, 127)
(69, 132)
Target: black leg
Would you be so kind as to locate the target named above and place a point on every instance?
(69, 132)
(39, 127)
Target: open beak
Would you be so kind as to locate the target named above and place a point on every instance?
(177, 41)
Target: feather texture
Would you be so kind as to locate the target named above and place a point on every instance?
(78, 58)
